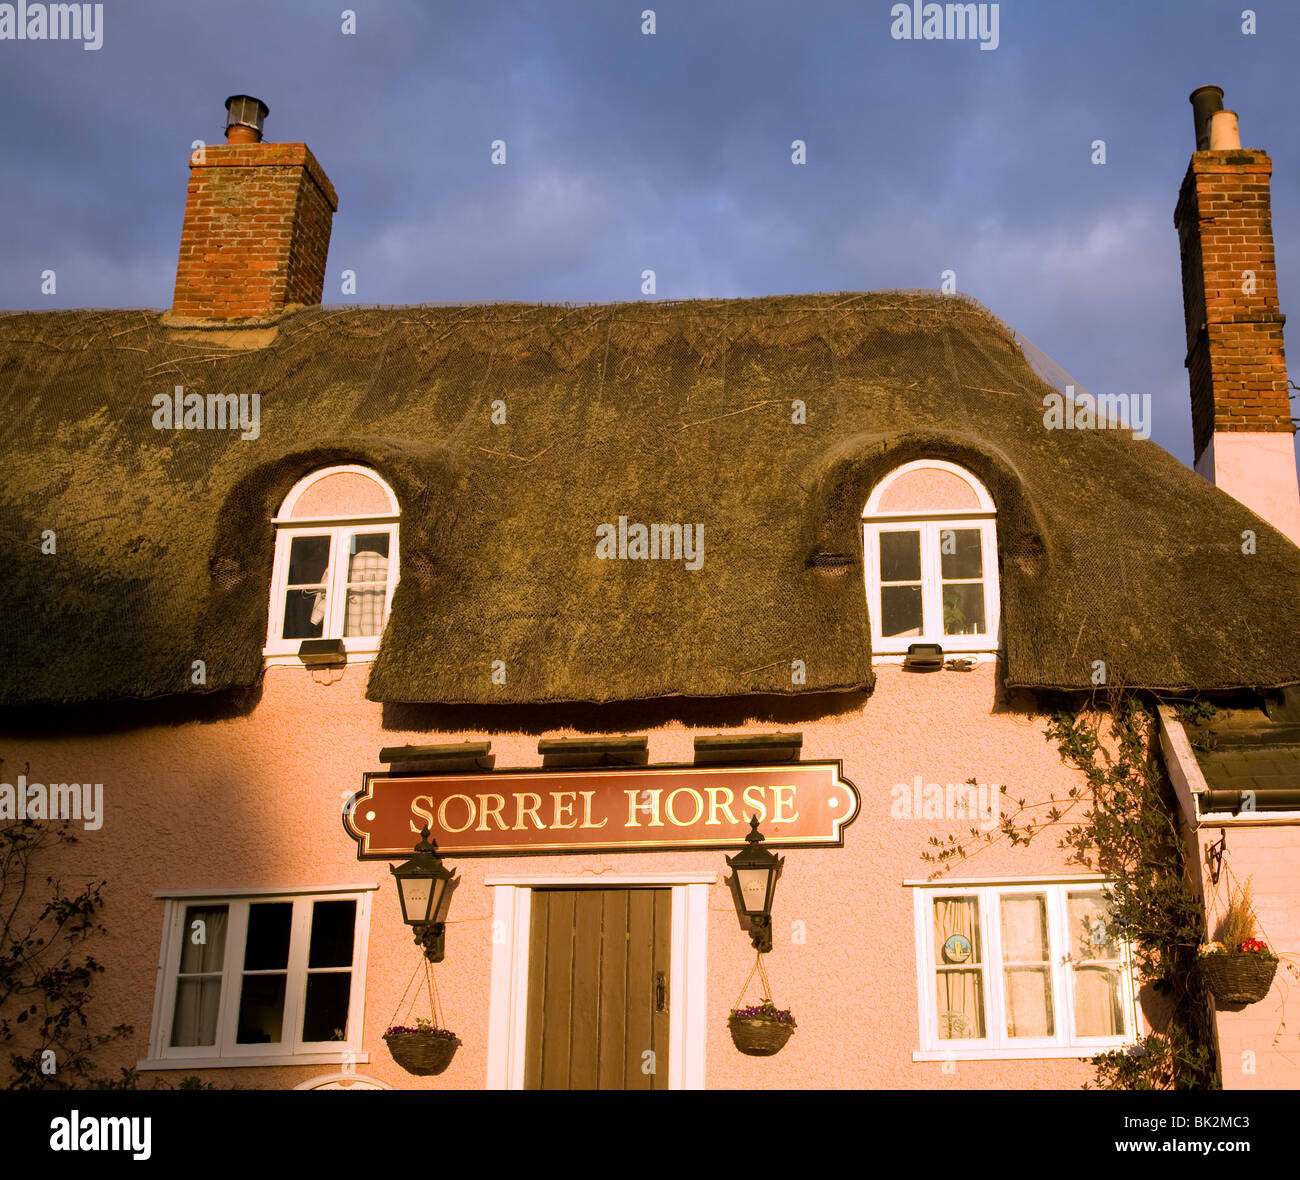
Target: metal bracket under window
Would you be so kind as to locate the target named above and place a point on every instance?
(1214, 855)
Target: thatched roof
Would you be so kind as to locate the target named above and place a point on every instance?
(1111, 549)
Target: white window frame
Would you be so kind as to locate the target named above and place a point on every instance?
(930, 525)
(996, 1044)
(279, 650)
(226, 1053)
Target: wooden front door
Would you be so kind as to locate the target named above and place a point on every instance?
(598, 989)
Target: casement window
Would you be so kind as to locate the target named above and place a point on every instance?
(336, 562)
(261, 980)
(931, 560)
(1024, 970)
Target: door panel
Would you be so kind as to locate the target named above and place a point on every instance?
(594, 1010)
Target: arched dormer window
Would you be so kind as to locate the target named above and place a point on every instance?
(931, 559)
(335, 561)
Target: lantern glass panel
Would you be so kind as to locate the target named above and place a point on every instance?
(418, 897)
(753, 889)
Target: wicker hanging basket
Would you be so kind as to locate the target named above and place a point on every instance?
(427, 1049)
(759, 1038)
(1239, 978)
(422, 1053)
(757, 1031)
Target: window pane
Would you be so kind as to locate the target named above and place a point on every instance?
(261, 1009)
(204, 947)
(304, 614)
(961, 553)
(365, 612)
(900, 557)
(1025, 940)
(963, 609)
(369, 558)
(957, 931)
(331, 934)
(961, 1005)
(1091, 933)
(194, 1022)
(326, 1017)
(960, 992)
(1024, 928)
(309, 557)
(268, 936)
(1097, 1008)
(900, 610)
(1029, 1002)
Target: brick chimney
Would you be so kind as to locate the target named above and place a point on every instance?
(257, 224)
(1241, 410)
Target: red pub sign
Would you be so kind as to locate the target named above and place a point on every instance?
(520, 812)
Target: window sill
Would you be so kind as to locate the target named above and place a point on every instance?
(979, 655)
(342, 1057)
(1026, 1054)
(289, 659)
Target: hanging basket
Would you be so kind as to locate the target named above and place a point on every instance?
(422, 1052)
(761, 1029)
(426, 1049)
(1239, 978)
(759, 1038)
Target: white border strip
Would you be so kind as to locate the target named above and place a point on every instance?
(1036, 879)
(258, 891)
(616, 880)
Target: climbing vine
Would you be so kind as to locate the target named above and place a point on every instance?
(46, 971)
(1124, 824)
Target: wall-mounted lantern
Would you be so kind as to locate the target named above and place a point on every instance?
(421, 885)
(754, 874)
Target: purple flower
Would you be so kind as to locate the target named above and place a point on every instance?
(425, 1031)
(764, 1011)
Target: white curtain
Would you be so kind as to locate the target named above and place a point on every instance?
(198, 990)
(1028, 987)
(1098, 1010)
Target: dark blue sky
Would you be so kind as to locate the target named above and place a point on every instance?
(671, 152)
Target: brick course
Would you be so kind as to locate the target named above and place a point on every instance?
(256, 232)
(1236, 364)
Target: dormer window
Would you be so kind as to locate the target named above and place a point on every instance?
(931, 559)
(335, 562)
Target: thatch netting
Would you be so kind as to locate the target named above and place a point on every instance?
(1110, 549)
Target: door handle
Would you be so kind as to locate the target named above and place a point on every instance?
(661, 992)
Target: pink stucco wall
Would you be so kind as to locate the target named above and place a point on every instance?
(256, 801)
(1259, 1048)
(1259, 469)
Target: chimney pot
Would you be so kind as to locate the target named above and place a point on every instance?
(1205, 101)
(1224, 133)
(245, 116)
